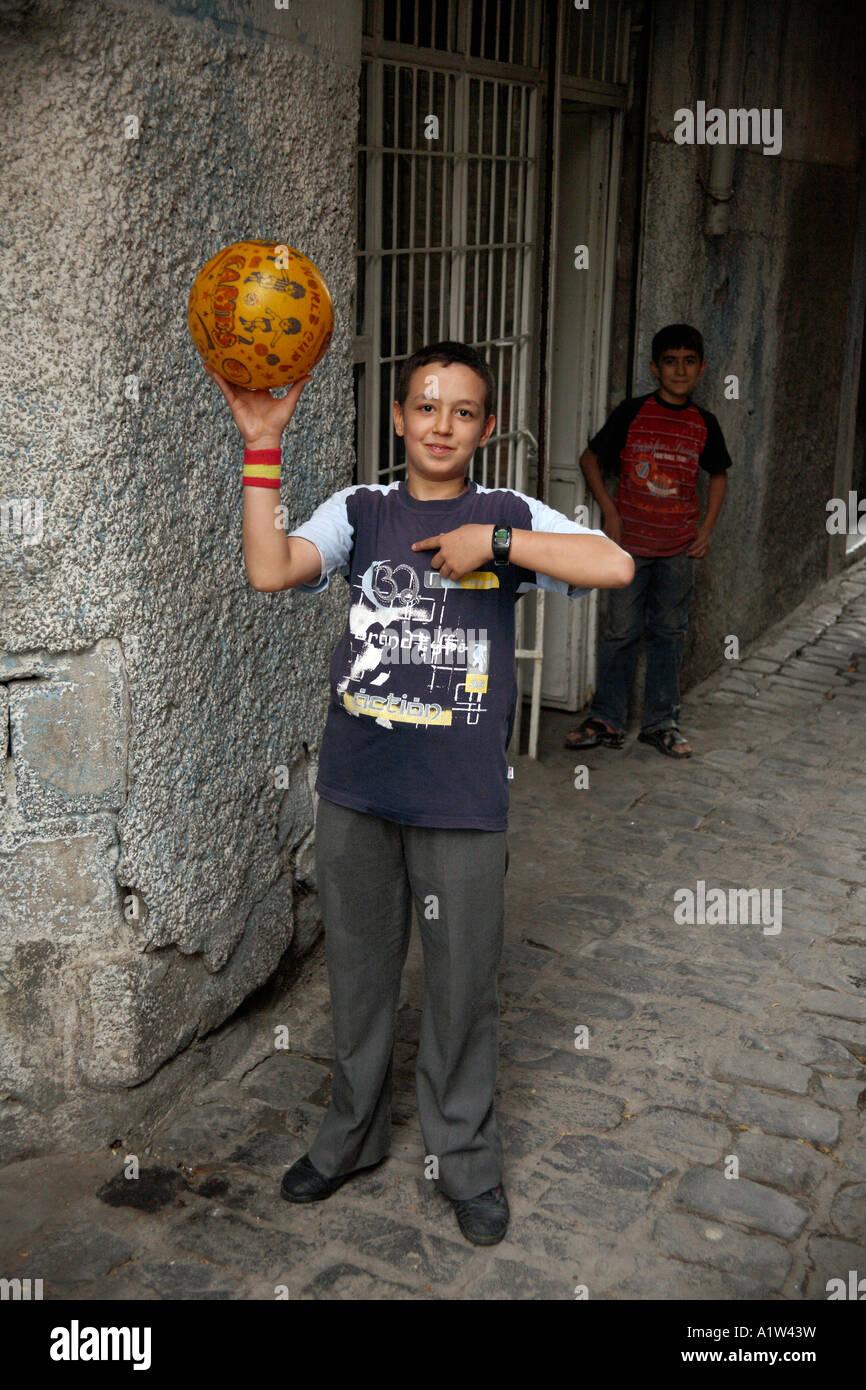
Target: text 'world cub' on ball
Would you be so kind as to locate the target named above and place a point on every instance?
(260, 314)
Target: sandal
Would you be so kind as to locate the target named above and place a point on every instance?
(666, 741)
(594, 733)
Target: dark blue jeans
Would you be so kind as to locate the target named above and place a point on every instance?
(655, 603)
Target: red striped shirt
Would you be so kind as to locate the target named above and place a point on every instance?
(660, 448)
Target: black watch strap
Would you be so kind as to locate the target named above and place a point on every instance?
(501, 544)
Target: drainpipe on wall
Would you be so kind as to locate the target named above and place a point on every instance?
(730, 75)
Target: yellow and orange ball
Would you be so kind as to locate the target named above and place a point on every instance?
(260, 314)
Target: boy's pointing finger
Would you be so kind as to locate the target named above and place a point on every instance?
(426, 544)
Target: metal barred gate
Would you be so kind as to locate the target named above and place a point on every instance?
(447, 210)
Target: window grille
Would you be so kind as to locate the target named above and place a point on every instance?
(447, 214)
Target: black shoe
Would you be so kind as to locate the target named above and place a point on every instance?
(484, 1219)
(668, 741)
(594, 733)
(304, 1183)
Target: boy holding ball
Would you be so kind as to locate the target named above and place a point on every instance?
(413, 774)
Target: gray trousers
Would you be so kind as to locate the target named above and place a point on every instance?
(369, 873)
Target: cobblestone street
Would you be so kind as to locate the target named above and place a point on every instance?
(704, 1042)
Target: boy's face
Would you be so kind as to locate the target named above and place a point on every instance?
(443, 421)
(676, 371)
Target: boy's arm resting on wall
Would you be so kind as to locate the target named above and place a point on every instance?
(716, 461)
(701, 543)
(718, 488)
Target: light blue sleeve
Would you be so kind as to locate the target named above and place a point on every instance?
(546, 518)
(330, 531)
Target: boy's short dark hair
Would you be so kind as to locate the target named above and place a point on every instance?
(446, 353)
(677, 335)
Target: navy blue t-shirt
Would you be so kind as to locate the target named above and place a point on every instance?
(423, 688)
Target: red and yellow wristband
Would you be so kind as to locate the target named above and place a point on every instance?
(262, 467)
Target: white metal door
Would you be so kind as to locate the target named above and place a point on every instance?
(580, 329)
(589, 103)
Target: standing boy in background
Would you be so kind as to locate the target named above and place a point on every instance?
(412, 780)
(659, 441)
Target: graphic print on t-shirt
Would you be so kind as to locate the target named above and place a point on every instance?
(646, 462)
(399, 638)
(423, 684)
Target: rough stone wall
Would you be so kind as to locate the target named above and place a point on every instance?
(158, 718)
(770, 297)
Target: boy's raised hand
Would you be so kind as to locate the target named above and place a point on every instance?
(260, 417)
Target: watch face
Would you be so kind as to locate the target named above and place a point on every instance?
(500, 535)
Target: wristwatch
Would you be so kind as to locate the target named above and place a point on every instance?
(501, 544)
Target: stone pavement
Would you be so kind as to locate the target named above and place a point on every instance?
(710, 1046)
